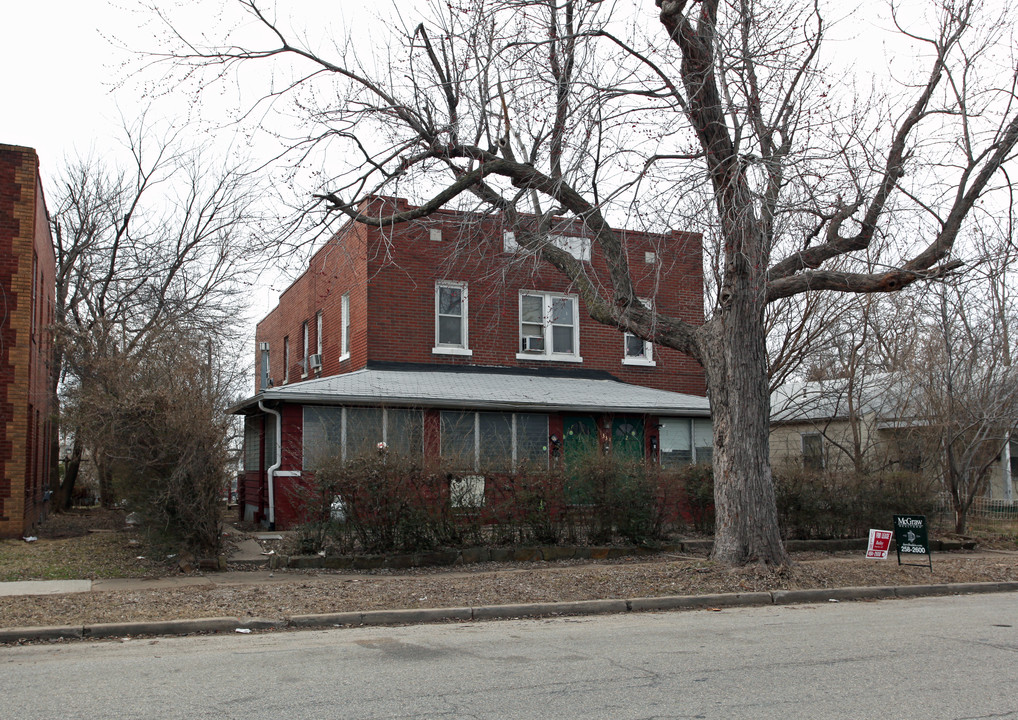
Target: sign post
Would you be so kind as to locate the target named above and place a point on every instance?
(912, 537)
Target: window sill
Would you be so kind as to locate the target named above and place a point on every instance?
(549, 358)
(344, 357)
(466, 352)
(639, 362)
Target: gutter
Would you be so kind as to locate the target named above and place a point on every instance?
(279, 461)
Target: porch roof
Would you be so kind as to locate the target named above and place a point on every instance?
(481, 391)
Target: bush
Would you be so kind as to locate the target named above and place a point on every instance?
(620, 497)
(815, 504)
(387, 502)
(697, 482)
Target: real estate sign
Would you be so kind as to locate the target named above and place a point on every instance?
(912, 537)
(880, 543)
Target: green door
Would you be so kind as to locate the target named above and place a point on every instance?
(579, 441)
(627, 438)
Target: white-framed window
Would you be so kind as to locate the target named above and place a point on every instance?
(451, 336)
(306, 332)
(686, 440)
(318, 332)
(286, 359)
(549, 327)
(637, 351)
(494, 441)
(344, 348)
(578, 247)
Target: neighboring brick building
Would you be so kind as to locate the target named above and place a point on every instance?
(441, 336)
(27, 269)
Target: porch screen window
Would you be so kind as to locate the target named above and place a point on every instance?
(495, 442)
(252, 437)
(532, 441)
(458, 438)
(323, 434)
(405, 431)
(401, 429)
(495, 435)
(363, 431)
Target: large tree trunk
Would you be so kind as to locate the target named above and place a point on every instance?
(735, 360)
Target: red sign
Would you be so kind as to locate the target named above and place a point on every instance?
(880, 543)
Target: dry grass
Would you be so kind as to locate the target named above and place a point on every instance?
(83, 544)
(301, 593)
(77, 553)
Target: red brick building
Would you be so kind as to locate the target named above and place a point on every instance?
(443, 337)
(27, 268)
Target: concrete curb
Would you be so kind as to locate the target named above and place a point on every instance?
(497, 612)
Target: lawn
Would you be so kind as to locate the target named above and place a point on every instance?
(67, 550)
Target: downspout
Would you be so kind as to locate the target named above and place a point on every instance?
(279, 461)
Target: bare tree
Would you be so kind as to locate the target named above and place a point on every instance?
(966, 390)
(156, 248)
(712, 116)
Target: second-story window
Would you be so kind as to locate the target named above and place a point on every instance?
(636, 350)
(344, 350)
(451, 319)
(549, 327)
(318, 333)
(307, 349)
(286, 359)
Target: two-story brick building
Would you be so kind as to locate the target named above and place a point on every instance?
(27, 270)
(444, 337)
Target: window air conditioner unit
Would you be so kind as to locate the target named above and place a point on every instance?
(263, 346)
(315, 362)
(533, 343)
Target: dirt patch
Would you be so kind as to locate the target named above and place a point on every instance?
(81, 521)
(299, 593)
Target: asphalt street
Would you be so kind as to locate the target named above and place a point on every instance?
(944, 657)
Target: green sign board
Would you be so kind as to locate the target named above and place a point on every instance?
(911, 535)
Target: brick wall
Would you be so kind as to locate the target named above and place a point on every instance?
(26, 310)
(390, 275)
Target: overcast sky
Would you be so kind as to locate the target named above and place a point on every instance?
(70, 79)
